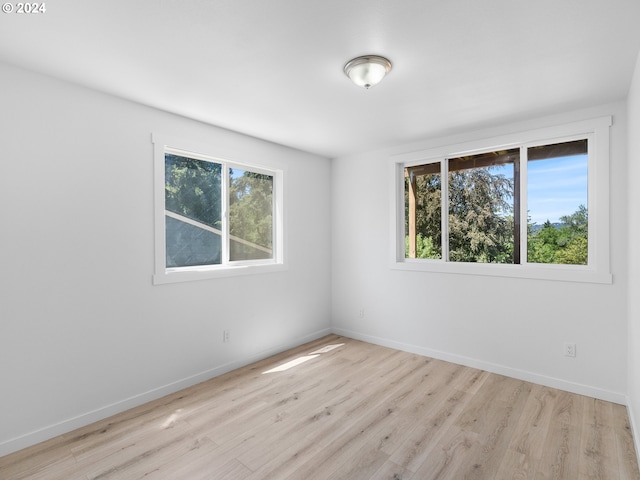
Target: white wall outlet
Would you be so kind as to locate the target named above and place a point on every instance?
(225, 336)
(569, 349)
(361, 313)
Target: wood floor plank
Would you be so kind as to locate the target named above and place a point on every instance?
(188, 465)
(324, 424)
(495, 429)
(561, 455)
(368, 422)
(352, 410)
(598, 451)
(391, 471)
(319, 415)
(415, 450)
(517, 466)
(65, 468)
(143, 455)
(627, 460)
(50, 456)
(447, 455)
(528, 441)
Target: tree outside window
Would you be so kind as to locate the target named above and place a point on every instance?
(197, 233)
(483, 198)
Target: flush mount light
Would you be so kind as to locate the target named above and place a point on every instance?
(368, 70)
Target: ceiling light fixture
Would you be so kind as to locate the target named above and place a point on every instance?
(368, 70)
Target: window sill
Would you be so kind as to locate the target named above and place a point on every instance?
(563, 273)
(208, 273)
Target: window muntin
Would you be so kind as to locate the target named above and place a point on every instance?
(214, 218)
(596, 134)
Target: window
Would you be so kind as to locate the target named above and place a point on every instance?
(526, 208)
(557, 199)
(214, 217)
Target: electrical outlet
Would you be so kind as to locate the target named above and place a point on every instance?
(225, 336)
(361, 313)
(569, 349)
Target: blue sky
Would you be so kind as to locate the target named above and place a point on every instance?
(236, 173)
(556, 187)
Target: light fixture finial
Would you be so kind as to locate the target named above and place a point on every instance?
(368, 70)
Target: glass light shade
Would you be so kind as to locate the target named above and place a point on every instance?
(367, 71)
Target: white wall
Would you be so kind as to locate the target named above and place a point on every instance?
(83, 333)
(511, 326)
(633, 401)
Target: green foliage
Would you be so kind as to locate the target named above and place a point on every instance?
(193, 189)
(251, 208)
(577, 222)
(428, 216)
(543, 244)
(425, 247)
(479, 229)
(566, 244)
(575, 253)
(481, 224)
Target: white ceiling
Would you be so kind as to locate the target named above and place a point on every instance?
(273, 68)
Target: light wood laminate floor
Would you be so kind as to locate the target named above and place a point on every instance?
(352, 411)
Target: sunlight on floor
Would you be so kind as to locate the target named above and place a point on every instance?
(328, 348)
(302, 359)
(291, 364)
(171, 419)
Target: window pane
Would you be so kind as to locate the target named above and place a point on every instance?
(423, 213)
(557, 203)
(193, 211)
(250, 215)
(483, 220)
(188, 245)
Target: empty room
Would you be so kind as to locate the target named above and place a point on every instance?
(320, 240)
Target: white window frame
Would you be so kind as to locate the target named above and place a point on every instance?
(598, 268)
(163, 144)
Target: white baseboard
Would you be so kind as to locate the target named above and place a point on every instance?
(50, 431)
(560, 384)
